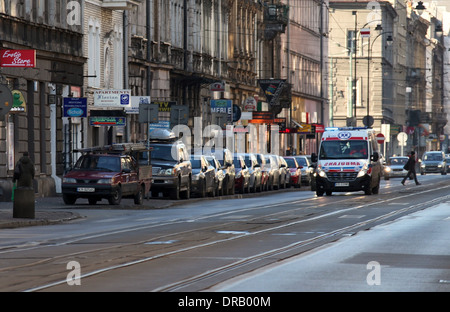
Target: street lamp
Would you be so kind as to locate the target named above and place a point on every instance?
(369, 121)
(420, 7)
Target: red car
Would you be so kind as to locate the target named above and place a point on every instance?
(295, 170)
(111, 173)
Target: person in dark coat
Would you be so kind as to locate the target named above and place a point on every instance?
(411, 167)
(24, 171)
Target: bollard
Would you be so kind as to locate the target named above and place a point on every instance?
(23, 203)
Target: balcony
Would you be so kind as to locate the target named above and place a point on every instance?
(120, 4)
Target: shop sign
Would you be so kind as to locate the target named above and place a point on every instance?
(75, 107)
(107, 121)
(112, 98)
(19, 104)
(18, 58)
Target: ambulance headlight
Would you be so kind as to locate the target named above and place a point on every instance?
(321, 173)
(366, 169)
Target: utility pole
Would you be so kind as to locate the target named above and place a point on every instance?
(354, 69)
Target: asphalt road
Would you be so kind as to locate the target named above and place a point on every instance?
(228, 243)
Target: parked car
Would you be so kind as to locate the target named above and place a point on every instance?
(225, 158)
(203, 177)
(284, 172)
(242, 177)
(447, 159)
(171, 167)
(255, 172)
(433, 162)
(109, 172)
(307, 169)
(394, 167)
(265, 172)
(220, 175)
(295, 171)
(273, 169)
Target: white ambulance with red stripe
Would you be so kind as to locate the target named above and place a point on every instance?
(348, 161)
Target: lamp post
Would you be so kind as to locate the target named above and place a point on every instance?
(369, 121)
(420, 7)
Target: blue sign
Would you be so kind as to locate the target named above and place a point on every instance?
(221, 106)
(75, 107)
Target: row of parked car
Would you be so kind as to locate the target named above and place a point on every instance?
(246, 172)
(179, 174)
(126, 170)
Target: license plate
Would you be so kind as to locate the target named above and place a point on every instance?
(85, 189)
(341, 184)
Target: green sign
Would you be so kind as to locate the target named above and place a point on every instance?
(107, 121)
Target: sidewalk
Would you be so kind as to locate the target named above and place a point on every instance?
(45, 214)
(52, 210)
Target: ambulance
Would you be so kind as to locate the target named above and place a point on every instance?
(348, 161)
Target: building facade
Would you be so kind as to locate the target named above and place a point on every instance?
(53, 31)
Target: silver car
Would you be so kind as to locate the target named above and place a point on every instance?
(394, 167)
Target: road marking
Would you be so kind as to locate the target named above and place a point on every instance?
(351, 216)
(234, 232)
(161, 242)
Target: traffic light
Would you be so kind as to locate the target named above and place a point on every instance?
(414, 118)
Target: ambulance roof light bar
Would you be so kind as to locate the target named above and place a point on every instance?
(345, 128)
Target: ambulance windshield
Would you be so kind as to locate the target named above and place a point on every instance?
(343, 149)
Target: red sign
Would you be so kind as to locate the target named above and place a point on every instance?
(18, 58)
(380, 138)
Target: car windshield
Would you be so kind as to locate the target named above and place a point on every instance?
(196, 163)
(432, 157)
(212, 162)
(162, 152)
(397, 161)
(291, 162)
(237, 163)
(343, 149)
(248, 161)
(98, 163)
(302, 161)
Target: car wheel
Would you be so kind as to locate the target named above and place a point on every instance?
(139, 197)
(187, 193)
(203, 189)
(69, 199)
(175, 193)
(116, 197)
(225, 186)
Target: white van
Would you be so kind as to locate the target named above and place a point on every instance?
(348, 161)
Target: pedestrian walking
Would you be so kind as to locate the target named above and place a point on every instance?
(411, 167)
(24, 172)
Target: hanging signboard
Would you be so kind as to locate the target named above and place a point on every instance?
(107, 121)
(18, 58)
(272, 89)
(75, 107)
(135, 102)
(19, 104)
(112, 98)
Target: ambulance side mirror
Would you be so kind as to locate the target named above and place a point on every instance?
(314, 157)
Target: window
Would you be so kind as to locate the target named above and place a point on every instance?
(94, 54)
